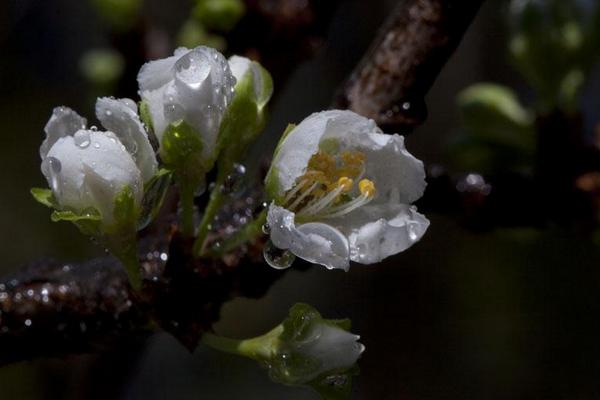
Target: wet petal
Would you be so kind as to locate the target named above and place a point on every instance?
(118, 117)
(157, 73)
(63, 122)
(91, 151)
(379, 231)
(314, 242)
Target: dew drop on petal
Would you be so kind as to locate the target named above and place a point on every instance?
(412, 233)
(54, 172)
(278, 258)
(96, 145)
(94, 128)
(82, 139)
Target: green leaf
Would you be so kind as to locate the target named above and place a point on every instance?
(44, 196)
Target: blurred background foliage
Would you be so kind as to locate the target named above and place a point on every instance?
(500, 314)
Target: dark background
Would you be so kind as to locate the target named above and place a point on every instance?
(504, 314)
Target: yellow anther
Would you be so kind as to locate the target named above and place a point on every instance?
(366, 187)
(345, 183)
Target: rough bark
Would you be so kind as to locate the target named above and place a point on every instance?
(390, 83)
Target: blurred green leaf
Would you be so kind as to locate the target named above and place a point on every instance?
(220, 15)
(102, 66)
(193, 34)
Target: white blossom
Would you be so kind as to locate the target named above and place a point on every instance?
(195, 86)
(343, 190)
(87, 168)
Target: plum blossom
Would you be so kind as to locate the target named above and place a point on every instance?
(87, 169)
(194, 86)
(342, 191)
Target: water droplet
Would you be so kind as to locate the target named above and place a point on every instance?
(96, 145)
(278, 258)
(94, 128)
(108, 113)
(164, 256)
(266, 229)
(54, 172)
(27, 322)
(82, 139)
(412, 233)
(173, 111)
(233, 181)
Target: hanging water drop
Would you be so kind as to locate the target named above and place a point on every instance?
(94, 128)
(278, 258)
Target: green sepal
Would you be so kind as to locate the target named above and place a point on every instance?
(244, 118)
(154, 194)
(44, 196)
(89, 221)
(125, 213)
(181, 151)
(146, 115)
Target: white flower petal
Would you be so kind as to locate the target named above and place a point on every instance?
(157, 73)
(63, 122)
(203, 86)
(379, 231)
(118, 117)
(293, 153)
(240, 66)
(314, 242)
(399, 177)
(335, 348)
(75, 156)
(155, 102)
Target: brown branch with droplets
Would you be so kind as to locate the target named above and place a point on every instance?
(390, 83)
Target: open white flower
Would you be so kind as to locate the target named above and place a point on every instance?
(86, 168)
(194, 86)
(343, 190)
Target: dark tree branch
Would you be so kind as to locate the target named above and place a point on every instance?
(390, 83)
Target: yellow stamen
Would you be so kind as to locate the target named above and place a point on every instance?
(345, 183)
(366, 187)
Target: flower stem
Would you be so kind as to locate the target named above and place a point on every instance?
(186, 194)
(125, 250)
(246, 234)
(214, 204)
(258, 348)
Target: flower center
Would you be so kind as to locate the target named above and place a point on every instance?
(332, 186)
